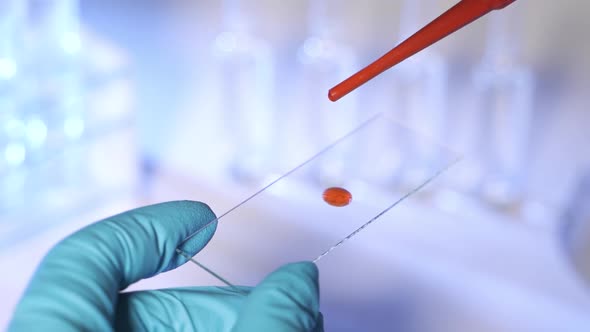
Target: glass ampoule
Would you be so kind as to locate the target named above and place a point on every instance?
(504, 89)
(55, 96)
(419, 92)
(13, 147)
(246, 65)
(324, 61)
(54, 105)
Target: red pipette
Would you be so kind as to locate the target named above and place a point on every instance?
(463, 13)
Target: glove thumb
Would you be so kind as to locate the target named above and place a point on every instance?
(286, 300)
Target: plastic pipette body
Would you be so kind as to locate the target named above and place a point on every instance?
(452, 20)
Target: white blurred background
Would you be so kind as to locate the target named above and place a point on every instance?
(109, 105)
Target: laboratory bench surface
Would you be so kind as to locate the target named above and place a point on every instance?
(418, 267)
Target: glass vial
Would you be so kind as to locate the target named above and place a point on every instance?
(246, 65)
(504, 91)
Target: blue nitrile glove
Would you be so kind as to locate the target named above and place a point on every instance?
(76, 287)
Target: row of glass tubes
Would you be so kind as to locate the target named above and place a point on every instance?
(41, 103)
(417, 93)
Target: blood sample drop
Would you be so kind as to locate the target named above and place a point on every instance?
(337, 196)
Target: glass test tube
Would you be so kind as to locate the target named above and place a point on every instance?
(248, 79)
(13, 149)
(419, 92)
(504, 90)
(575, 231)
(324, 62)
(54, 106)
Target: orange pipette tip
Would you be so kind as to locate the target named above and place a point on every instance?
(463, 13)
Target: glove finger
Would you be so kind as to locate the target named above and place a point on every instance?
(286, 300)
(180, 309)
(77, 283)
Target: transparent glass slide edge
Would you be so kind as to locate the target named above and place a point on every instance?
(380, 163)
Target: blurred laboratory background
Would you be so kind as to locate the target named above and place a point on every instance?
(107, 105)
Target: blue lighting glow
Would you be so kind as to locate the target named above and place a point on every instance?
(70, 42)
(14, 154)
(73, 127)
(36, 132)
(313, 47)
(8, 68)
(226, 42)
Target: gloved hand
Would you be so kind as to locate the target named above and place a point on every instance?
(77, 285)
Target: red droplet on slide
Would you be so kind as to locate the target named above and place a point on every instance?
(337, 196)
